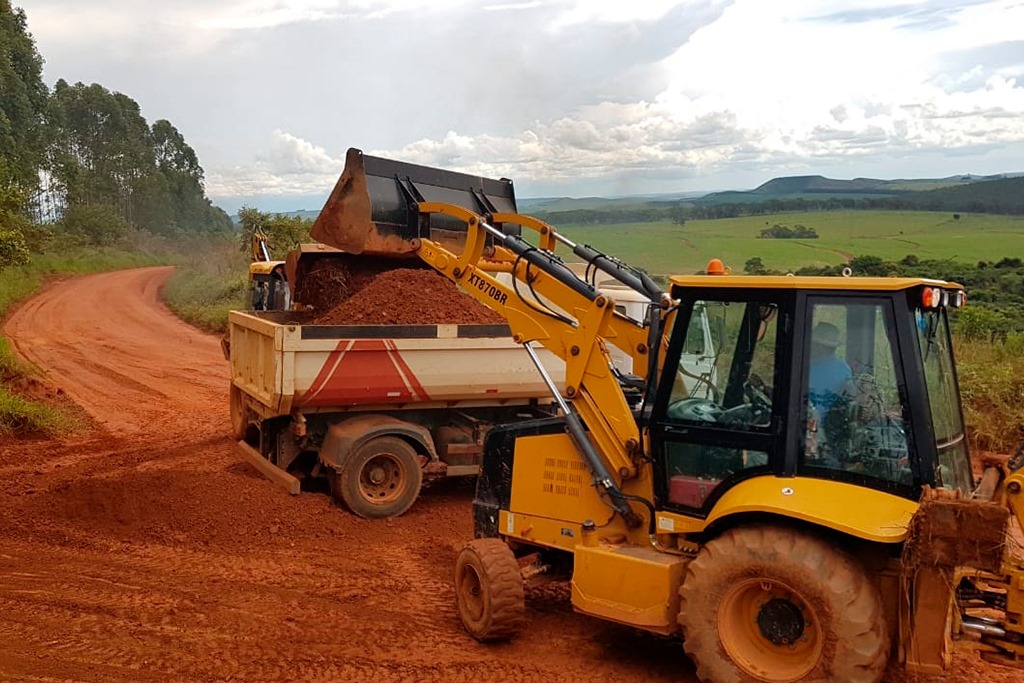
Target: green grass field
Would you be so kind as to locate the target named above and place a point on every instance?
(664, 248)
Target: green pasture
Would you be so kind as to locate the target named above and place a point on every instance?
(665, 248)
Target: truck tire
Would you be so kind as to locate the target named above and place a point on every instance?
(777, 605)
(489, 590)
(381, 478)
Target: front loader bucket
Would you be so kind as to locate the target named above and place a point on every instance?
(373, 208)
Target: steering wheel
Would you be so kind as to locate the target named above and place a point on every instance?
(759, 396)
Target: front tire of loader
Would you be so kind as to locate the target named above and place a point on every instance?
(382, 478)
(489, 590)
(769, 604)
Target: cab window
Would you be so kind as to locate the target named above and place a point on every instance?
(717, 420)
(856, 416)
(725, 385)
(953, 469)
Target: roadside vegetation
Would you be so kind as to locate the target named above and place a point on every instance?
(207, 283)
(992, 385)
(213, 278)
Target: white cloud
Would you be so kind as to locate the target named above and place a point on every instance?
(767, 83)
(289, 165)
(582, 94)
(509, 6)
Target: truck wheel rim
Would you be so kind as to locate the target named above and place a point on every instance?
(382, 479)
(471, 591)
(769, 631)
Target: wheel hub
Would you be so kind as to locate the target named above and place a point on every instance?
(780, 621)
(382, 479)
(470, 586)
(769, 631)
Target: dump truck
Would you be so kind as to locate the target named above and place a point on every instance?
(374, 409)
(805, 511)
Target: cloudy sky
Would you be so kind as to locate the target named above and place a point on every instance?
(568, 97)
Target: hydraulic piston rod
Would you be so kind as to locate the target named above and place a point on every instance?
(574, 426)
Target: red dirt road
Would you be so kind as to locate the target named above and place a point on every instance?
(144, 550)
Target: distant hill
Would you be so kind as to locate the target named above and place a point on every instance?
(1003, 196)
(640, 201)
(1000, 194)
(817, 187)
(307, 214)
(809, 187)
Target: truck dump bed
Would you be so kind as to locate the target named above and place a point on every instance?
(287, 366)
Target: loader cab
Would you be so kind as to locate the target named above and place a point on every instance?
(268, 288)
(847, 379)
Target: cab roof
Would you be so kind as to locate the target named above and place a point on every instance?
(809, 282)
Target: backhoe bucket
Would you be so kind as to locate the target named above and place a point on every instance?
(373, 208)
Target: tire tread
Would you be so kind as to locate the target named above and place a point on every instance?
(862, 639)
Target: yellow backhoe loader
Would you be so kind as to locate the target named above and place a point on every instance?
(268, 286)
(800, 506)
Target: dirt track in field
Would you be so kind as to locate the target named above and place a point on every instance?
(142, 549)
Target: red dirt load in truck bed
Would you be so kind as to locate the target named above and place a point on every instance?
(143, 549)
(408, 296)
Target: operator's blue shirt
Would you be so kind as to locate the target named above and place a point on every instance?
(828, 375)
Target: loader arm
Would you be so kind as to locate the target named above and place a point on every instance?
(380, 207)
(579, 337)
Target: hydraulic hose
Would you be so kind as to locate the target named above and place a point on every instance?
(634, 279)
(542, 260)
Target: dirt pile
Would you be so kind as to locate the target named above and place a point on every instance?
(407, 296)
(326, 283)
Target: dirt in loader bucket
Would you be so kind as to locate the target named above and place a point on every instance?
(374, 206)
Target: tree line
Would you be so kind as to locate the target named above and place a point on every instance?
(80, 164)
(1003, 197)
(995, 289)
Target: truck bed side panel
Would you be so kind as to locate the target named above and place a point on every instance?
(314, 368)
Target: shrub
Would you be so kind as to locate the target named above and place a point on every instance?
(95, 224)
(992, 389)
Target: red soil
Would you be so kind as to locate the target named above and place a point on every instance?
(408, 296)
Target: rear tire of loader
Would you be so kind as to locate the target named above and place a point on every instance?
(489, 590)
(382, 478)
(769, 604)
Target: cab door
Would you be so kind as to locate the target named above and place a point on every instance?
(713, 428)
